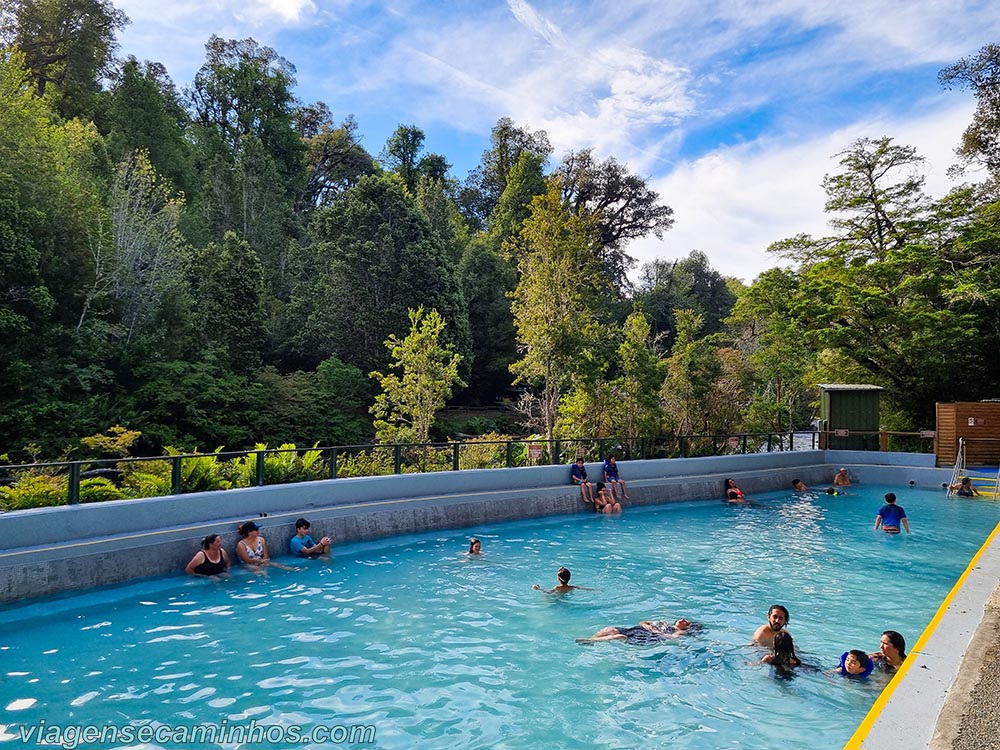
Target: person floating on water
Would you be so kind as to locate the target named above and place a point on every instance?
(646, 632)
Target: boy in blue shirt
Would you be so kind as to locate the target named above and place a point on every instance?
(616, 483)
(890, 515)
(302, 544)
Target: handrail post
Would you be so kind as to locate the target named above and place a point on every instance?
(642, 448)
(397, 458)
(600, 449)
(74, 484)
(454, 457)
(510, 454)
(333, 463)
(744, 448)
(715, 445)
(683, 446)
(175, 475)
(260, 467)
(768, 442)
(556, 452)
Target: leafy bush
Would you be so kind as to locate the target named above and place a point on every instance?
(485, 452)
(34, 491)
(283, 465)
(99, 489)
(376, 462)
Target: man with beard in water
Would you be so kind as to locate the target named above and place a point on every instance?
(777, 618)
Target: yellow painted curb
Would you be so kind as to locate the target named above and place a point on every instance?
(861, 733)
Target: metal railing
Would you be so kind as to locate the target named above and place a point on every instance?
(72, 482)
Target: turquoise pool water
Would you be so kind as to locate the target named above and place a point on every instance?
(433, 649)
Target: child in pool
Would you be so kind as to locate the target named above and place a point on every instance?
(854, 663)
(782, 654)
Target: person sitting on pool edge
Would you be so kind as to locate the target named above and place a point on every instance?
(890, 515)
(578, 476)
(647, 631)
(777, 618)
(302, 544)
(563, 587)
(604, 501)
(892, 652)
(202, 563)
(612, 477)
(854, 663)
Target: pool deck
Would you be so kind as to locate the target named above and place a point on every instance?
(947, 694)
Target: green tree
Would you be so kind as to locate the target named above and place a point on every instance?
(623, 205)
(68, 45)
(373, 256)
(144, 111)
(487, 280)
(228, 284)
(335, 160)
(692, 371)
(401, 154)
(427, 371)
(486, 183)
(557, 305)
(980, 73)
(636, 391)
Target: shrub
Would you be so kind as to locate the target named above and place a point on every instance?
(34, 491)
(99, 489)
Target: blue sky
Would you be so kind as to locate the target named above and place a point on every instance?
(733, 110)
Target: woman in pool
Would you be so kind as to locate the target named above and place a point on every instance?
(604, 501)
(211, 561)
(733, 493)
(647, 631)
(892, 652)
(782, 654)
(965, 488)
(475, 547)
(252, 548)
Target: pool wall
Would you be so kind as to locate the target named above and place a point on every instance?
(51, 550)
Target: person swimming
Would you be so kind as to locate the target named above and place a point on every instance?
(645, 633)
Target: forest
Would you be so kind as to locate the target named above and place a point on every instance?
(219, 263)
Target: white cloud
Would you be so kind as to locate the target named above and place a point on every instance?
(734, 202)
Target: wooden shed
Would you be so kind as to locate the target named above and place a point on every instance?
(849, 415)
(978, 422)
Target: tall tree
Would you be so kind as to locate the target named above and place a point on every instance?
(335, 160)
(229, 288)
(401, 154)
(623, 204)
(486, 183)
(980, 73)
(144, 111)
(427, 372)
(67, 44)
(373, 257)
(557, 303)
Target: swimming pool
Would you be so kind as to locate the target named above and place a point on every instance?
(435, 649)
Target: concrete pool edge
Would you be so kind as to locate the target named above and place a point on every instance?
(927, 702)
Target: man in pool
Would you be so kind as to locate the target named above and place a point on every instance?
(890, 515)
(777, 618)
(842, 479)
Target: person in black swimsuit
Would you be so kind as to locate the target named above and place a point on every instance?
(644, 633)
(211, 560)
